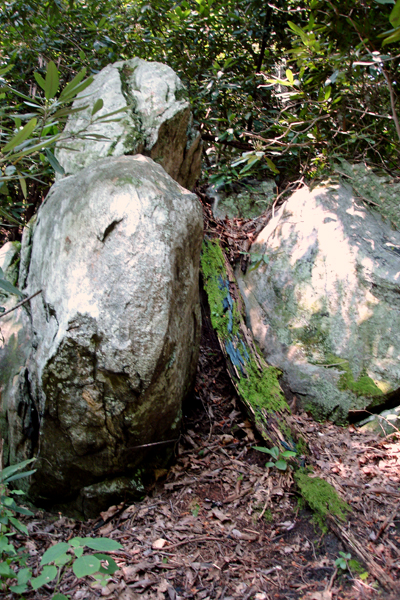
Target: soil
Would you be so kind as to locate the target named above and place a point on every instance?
(220, 525)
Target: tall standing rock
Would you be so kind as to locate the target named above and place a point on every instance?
(115, 251)
(156, 122)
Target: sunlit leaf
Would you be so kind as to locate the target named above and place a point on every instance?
(21, 136)
(395, 15)
(86, 565)
(52, 81)
(54, 552)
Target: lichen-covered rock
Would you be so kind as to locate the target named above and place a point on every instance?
(249, 202)
(324, 304)
(157, 121)
(115, 251)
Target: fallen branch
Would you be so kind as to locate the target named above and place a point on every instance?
(19, 304)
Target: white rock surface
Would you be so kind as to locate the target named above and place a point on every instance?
(115, 250)
(325, 304)
(157, 121)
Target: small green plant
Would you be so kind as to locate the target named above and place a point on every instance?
(57, 558)
(278, 456)
(342, 561)
(346, 563)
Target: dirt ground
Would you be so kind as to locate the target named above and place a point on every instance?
(219, 525)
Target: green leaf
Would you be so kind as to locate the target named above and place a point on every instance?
(73, 84)
(281, 464)
(20, 476)
(112, 566)
(274, 452)
(77, 541)
(22, 183)
(21, 136)
(288, 453)
(102, 544)
(39, 80)
(98, 105)
(54, 162)
(48, 574)
(63, 560)
(52, 81)
(6, 570)
(395, 15)
(394, 37)
(289, 75)
(82, 55)
(18, 589)
(19, 526)
(78, 551)
(72, 92)
(23, 576)
(86, 565)
(6, 285)
(54, 552)
(269, 464)
(272, 166)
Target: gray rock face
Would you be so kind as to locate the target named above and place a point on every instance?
(157, 121)
(325, 303)
(15, 347)
(115, 250)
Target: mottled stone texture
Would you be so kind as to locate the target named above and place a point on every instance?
(157, 121)
(325, 303)
(115, 250)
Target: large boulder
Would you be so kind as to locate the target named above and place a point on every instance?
(157, 121)
(115, 251)
(324, 301)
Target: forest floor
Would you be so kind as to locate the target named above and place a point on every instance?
(220, 525)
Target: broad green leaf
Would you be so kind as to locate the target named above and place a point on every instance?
(73, 84)
(72, 92)
(395, 15)
(328, 92)
(395, 37)
(54, 552)
(78, 551)
(288, 453)
(23, 576)
(20, 475)
(269, 464)
(21, 136)
(111, 567)
(63, 560)
(98, 105)
(48, 574)
(77, 541)
(272, 166)
(281, 464)
(19, 526)
(19, 589)
(82, 55)
(22, 183)
(39, 80)
(6, 570)
(54, 162)
(289, 75)
(102, 544)
(52, 81)
(8, 287)
(86, 565)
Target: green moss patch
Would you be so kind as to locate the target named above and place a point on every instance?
(322, 498)
(223, 310)
(262, 390)
(363, 386)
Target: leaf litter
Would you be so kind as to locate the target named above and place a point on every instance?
(219, 525)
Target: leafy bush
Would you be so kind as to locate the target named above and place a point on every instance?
(57, 558)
